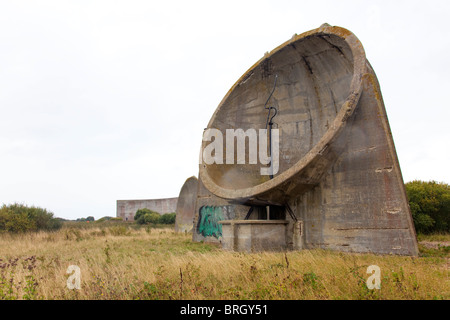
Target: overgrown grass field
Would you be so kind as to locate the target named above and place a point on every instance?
(119, 261)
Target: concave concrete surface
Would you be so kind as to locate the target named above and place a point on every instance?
(319, 82)
(186, 205)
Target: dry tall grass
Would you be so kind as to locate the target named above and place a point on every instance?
(123, 263)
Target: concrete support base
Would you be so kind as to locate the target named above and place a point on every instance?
(254, 235)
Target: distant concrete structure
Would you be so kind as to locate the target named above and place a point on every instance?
(126, 209)
(338, 183)
(186, 205)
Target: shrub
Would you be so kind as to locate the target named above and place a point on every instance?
(140, 219)
(139, 216)
(142, 216)
(16, 222)
(147, 216)
(168, 218)
(430, 205)
(102, 219)
(21, 218)
(152, 217)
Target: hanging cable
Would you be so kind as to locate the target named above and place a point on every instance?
(269, 121)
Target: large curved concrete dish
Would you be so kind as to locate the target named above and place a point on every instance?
(319, 84)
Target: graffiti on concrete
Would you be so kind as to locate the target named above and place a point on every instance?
(208, 221)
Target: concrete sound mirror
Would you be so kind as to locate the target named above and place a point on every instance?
(337, 182)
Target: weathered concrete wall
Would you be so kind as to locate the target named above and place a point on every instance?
(254, 235)
(209, 230)
(360, 204)
(185, 210)
(126, 209)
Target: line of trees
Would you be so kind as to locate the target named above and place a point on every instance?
(90, 219)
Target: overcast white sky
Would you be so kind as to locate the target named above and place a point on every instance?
(107, 100)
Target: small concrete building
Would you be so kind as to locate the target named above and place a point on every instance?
(126, 209)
